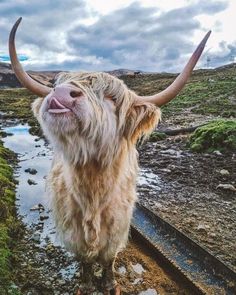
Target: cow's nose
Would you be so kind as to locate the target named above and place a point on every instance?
(74, 93)
(66, 95)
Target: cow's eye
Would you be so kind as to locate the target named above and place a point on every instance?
(112, 98)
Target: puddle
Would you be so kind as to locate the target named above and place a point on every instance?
(138, 280)
(69, 271)
(147, 178)
(138, 268)
(122, 270)
(33, 153)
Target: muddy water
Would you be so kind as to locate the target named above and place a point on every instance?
(136, 271)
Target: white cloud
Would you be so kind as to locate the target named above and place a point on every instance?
(101, 35)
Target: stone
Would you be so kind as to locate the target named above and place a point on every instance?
(226, 186)
(224, 172)
(37, 207)
(36, 237)
(61, 282)
(218, 153)
(31, 182)
(48, 283)
(202, 227)
(43, 217)
(31, 171)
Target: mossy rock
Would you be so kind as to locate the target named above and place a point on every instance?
(157, 136)
(216, 135)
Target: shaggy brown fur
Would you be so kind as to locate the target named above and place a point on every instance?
(92, 182)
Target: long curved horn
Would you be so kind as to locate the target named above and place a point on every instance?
(22, 76)
(170, 92)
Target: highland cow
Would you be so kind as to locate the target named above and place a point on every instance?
(93, 122)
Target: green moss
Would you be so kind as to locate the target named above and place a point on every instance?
(156, 136)
(7, 217)
(207, 92)
(216, 135)
(4, 256)
(16, 103)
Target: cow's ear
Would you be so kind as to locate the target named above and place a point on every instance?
(36, 106)
(141, 119)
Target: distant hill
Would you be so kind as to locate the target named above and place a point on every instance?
(9, 80)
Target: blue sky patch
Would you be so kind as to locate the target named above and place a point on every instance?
(6, 58)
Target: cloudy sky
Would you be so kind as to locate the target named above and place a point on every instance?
(147, 35)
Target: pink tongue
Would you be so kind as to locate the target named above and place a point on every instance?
(55, 104)
(56, 107)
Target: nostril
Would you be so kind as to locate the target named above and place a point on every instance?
(75, 93)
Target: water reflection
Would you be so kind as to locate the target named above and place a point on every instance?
(147, 178)
(34, 154)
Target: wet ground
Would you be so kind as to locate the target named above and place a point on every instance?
(197, 193)
(44, 267)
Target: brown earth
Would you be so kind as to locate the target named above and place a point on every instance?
(188, 196)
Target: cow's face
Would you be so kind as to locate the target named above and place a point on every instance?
(90, 117)
(87, 116)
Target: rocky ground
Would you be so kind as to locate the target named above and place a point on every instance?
(197, 193)
(48, 270)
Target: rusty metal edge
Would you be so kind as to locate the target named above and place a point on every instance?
(189, 240)
(170, 264)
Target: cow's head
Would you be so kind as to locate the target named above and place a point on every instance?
(88, 115)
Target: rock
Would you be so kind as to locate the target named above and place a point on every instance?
(224, 172)
(172, 152)
(226, 186)
(165, 170)
(31, 171)
(158, 205)
(39, 207)
(39, 226)
(61, 282)
(202, 227)
(36, 237)
(50, 248)
(31, 182)
(48, 284)
(218, 153)
(43, 217)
